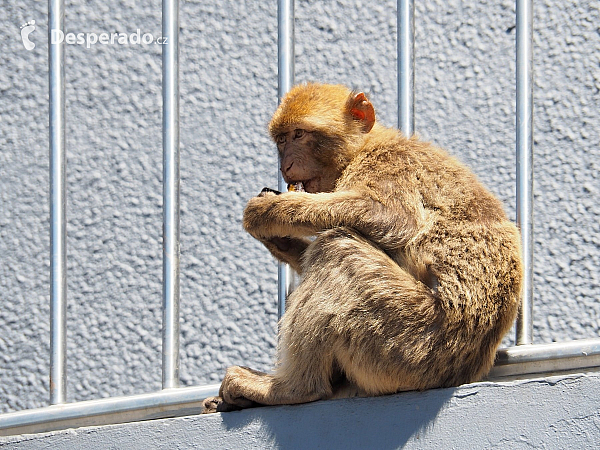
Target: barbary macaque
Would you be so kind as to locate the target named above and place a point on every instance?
(414, 274)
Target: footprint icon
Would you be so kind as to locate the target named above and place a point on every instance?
(26, 30)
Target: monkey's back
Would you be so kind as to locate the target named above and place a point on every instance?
(461, 244)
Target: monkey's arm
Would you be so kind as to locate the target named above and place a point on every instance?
(298, 214)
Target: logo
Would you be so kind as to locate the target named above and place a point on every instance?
(26, 30)
(89, 39)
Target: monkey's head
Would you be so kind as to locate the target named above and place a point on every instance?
(318, 129)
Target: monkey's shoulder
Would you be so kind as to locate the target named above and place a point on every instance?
(399, 156)
(412, 168)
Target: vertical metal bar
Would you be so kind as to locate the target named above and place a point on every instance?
(58, 215)
(285, 72)
(170, 94)
(524, 10)
(406, 66)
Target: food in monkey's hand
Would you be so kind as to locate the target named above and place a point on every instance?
(296, 187)
(414, 274)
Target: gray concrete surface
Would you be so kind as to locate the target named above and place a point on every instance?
(554, 413)
(464, 102)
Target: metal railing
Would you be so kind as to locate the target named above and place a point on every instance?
(170, 131)
(173, 401)
(406, 66)
(58, 209)
(524, 125)
(285, 79)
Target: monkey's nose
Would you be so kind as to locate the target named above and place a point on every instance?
(286, 171)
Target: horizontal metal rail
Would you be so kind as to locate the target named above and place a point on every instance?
(546, 358)
(157, 405)
(573, 356)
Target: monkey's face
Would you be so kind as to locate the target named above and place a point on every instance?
(307, 157)
(318, 129)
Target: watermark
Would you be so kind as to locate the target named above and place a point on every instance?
(89, 39)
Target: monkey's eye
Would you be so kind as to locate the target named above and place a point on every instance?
(280, 138)
(298, 133)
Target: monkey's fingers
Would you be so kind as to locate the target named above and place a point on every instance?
(266, 191)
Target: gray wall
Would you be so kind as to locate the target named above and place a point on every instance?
(559, 413)
(464, 102)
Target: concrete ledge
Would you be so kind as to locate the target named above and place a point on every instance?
(553, 412)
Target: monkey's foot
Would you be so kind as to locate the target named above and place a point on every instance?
(217, 404)
(244, 387)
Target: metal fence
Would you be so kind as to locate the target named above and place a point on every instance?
(175, 401)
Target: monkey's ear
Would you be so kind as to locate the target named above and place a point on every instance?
(362, 110)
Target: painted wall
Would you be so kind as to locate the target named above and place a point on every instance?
(557, 413)
(464, 102)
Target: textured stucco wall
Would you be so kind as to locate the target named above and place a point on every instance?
(554, 413)
(464, 102)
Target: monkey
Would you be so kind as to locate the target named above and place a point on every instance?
(413, 274)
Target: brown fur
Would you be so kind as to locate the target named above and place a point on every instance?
(414, 275)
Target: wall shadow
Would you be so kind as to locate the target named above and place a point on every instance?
(376, 422)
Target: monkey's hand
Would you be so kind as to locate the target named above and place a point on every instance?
(258, 215)
(268, 191)
(284, 248)
(271, 215)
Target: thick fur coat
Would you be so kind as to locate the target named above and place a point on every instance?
(415, 273)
